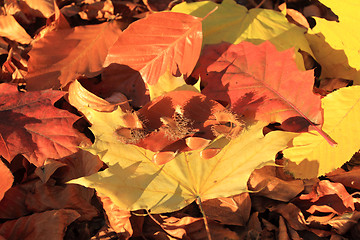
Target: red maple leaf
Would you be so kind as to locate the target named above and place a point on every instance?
(30, 125)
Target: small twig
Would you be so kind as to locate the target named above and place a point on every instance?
(157, 222)
(261, 3)
(198, 201)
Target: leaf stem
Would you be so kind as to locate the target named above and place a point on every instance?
(198, 201)
(161, 226)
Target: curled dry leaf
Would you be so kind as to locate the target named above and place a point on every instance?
(266, 183)
(119, 219)
(231, 210)
(38, 130)
(47, 197)
(348, 179)
(11, 29)
(38, 8)
(323, 193)
(79, 51)
(81, 98)
(32, 227)
(6, 179)
(178, 51)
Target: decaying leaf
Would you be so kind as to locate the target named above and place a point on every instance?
(6, 179)
(32, 227)
(63, 55)
(119, 219)
(30, 125)
(311, 156)
(143, 47)
(11, 29)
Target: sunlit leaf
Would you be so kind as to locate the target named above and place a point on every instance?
(311, 155)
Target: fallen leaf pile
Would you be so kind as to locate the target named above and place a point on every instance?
(175, 120)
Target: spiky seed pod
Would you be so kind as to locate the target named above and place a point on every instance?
(178, 126)
(227, 124)
(130, 135)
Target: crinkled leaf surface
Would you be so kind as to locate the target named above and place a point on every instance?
(6, 179)
(32, 227)
(335, 44)
(159, 42)
(133, 181)
(311, 155)
(63, 55)
(11, 29)
(30, 125)
(259, 81)
(233, 23)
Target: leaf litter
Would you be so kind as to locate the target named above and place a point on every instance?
(102, 93)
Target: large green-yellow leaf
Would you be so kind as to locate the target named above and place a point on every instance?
(336, 44)
(233, 23)
(311, 155)
(133, 181)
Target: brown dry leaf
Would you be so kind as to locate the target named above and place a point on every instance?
(264, 181)
(13, 205)
(231, 210)
(11, 29)
(79, 164)
(343, 223)
(283, 234)
(119, 219)
(46, 197)
(331, 84)
(186, 227)
(33, 226)
(62, 56)
(323, 193)
(50, 166)
(292, 214)
(38, 8)
(81, 98)
(157, 5)
(294, 16)
(348, 179)
(6, 179)
(97, 10)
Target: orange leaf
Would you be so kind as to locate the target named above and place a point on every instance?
(45, 225)
(159, 42)
(62, 56)
(30, 125)
(11, 29)
(6, 179)
(259, 82)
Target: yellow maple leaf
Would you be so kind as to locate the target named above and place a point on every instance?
(133, 181)
(234, 23)
(311, 155)
(336, 44)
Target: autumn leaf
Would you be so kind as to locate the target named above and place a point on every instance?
(234, 23)
(336, 43)
(30, 125)
(119, 219)
(62, 56)
(159, 42)
(6, 179)
(133, 181)
(167, 83)
(259, 82)
(11, 29)
(39, 8)
(32, 227)
(310, 155)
